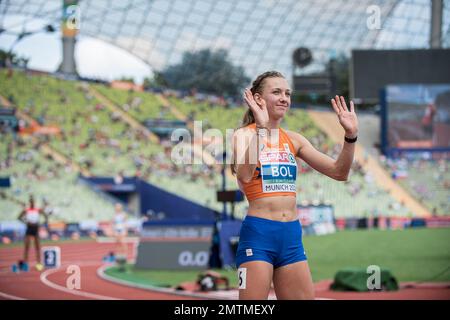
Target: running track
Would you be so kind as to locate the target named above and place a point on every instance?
(51, 284)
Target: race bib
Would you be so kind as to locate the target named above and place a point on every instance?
(278, 171)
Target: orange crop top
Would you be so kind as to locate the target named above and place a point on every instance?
(276, 172)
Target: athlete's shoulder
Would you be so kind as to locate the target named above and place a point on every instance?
(244, 130)
(292, 134)
(295, 135)
(248, 127)
(297, 139)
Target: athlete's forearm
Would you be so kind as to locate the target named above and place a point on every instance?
(344, 161)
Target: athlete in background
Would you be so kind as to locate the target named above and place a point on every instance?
(31, 217)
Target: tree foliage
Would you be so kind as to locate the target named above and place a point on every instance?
(207, 71)
(9, 59)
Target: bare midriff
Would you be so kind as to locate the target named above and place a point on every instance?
(279, 208)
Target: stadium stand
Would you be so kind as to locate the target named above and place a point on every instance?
(102, 142)
(426, 179)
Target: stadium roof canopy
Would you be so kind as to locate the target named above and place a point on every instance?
(260, 35)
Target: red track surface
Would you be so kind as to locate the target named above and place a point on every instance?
(51, 284)
(88, 255)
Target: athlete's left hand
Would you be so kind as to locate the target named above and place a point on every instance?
(347, 119)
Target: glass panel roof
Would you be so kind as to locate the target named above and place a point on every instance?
(259, 34)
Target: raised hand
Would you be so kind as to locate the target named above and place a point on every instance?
(347, 119)
(259, 110)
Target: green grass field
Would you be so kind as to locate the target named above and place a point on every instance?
(411, 255)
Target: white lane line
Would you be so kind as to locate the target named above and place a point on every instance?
(10, 296)
(227, 295)
(84, 294)
(101, 273)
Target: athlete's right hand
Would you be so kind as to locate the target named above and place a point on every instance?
(259, 110)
